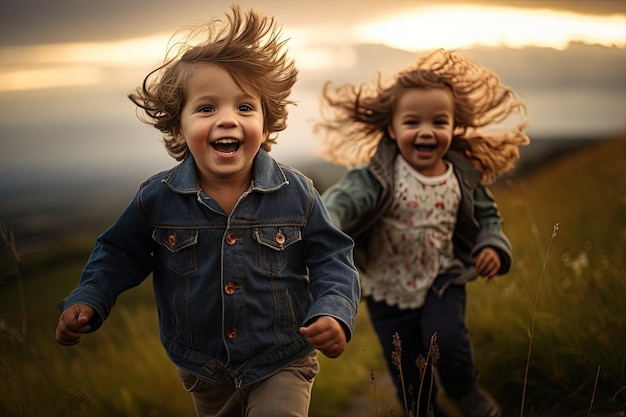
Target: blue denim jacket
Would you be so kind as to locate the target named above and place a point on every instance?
(363, 195)
(231, 291)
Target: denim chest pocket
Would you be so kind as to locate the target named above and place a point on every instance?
(275, 245)
(178, 248)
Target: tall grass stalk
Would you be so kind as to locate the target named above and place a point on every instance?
(431, 360)
(593, 394)
(396, 358)
(373, 382)
(423, 365)
(620, 411)
(531, 332)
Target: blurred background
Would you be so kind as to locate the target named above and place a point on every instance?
(68, 132)
(73, 153)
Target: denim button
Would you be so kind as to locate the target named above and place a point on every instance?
(232, 333)
(280, 238)
(171, 239)
(231, 238)
(230, 288)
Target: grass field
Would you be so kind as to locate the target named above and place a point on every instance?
(571, 281)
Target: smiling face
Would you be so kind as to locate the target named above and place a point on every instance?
(221, 124)
(422, 126)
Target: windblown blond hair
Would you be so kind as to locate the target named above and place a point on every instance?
(246, 45)
(489, 119)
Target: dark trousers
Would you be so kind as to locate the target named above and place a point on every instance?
(446, 317)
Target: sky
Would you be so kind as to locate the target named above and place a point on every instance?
(66, 68)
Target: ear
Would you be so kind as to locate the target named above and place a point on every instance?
(391, 132)
(266, 136)
(178, 136)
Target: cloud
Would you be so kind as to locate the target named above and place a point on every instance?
(31, 22)
(36, 79)
(466, 26)
(68, 100)
(319, 46)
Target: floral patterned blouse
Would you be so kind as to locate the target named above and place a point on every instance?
(412, 243)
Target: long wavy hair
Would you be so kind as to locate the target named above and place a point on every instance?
(489, 118)
(246, 45)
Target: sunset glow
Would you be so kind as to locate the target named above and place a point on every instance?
(324, 47)
(458, 27)
(35, 79)
(73, 64)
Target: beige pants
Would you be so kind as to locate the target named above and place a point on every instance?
(287, 393)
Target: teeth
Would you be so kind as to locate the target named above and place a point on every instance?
(227, 145)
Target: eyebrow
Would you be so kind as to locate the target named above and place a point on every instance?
(215, 97)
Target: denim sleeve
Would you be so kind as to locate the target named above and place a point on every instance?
(334, 279)
(121, 259)
(491, 235)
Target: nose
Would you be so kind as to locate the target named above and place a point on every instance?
(227, 118)
(426, 131)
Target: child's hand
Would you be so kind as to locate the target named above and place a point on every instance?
(487, 262)
(73, 323)
(326, 335)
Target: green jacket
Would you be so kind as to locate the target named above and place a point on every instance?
(364, 194)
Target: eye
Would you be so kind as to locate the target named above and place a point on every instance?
(206, 109)
(244, 108)
(442, 122)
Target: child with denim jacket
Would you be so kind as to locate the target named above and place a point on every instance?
(423, 221)
(250, 275)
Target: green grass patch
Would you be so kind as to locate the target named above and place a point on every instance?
(577, 356)
(581, 304)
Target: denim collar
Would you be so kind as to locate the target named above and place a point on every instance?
(267, 175)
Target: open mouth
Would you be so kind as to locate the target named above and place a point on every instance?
(425, 147)
(226, 145)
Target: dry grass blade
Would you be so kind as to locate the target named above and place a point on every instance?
(593, 395)
(531, 332)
